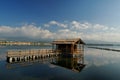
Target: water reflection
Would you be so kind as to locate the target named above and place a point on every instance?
(30, 62)
(75, 64)
(100, 64)
(100, 58)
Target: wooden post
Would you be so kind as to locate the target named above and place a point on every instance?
(56, 48)
(52, 47)
(79, 47)
(66, 49)
(72, 48)
(83, 47)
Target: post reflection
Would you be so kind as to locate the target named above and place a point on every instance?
(45, 60)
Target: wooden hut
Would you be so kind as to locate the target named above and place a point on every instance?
(68, 46)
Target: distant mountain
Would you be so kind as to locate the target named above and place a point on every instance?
(50, 40)
(26, 39)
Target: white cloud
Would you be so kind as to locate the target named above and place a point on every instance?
(46, 25)
(86, 31)
(85, 26)
(103, 36)
(64, 31)
(8, 31)
(25, 31)
(51, 23)
(113, 29)
(100, 27)
(78, 25)
(67, 33)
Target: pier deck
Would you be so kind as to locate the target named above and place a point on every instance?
(25, 55)
(22, 55)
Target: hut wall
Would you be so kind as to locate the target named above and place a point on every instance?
(65, 48)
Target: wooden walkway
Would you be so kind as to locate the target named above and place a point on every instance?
(33, 54)
(24, 55)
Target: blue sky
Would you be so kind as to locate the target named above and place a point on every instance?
(46, 19)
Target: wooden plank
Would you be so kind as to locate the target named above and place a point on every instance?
(16, 53)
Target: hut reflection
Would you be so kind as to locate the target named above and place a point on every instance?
(75, 64)
(72, 63)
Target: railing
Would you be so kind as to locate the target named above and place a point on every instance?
(74, 52)
(16, 53)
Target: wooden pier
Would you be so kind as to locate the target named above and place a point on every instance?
(25, 55)
(66, 47)
(33, 54)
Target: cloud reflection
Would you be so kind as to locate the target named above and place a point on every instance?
(94, 57)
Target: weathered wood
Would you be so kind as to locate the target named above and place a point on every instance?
(69, 46)
(16, 53)
(24, 55)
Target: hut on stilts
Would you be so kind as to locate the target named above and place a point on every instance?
(68, 47)
(65, 47)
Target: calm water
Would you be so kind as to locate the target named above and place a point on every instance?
(99, 65)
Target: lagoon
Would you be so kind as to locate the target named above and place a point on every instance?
(99, 65)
